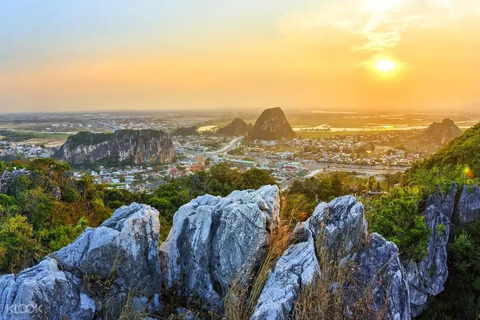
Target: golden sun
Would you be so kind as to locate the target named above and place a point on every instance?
(385, 65)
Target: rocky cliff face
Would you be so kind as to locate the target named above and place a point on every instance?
(427, 277)
(95, 276)
(272, 125)
(442, 132)
(123, 146)
(235, 128)
(469, 204)
(214, 239)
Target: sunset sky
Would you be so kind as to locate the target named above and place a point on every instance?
(353, 55)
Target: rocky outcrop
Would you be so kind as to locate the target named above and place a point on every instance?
(121, 147)
(296, 268)
(339, 230)
(104, 269)
(427, 277)
(272, 125)
(235, 128)
(8, 176)
(442, 132)
(214, 240)
(469, 204)
(44, 292)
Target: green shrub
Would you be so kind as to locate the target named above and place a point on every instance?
(396, 217)
(18, 247)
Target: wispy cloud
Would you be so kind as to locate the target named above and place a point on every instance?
(380, 23)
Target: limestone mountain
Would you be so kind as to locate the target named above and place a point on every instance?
(442, 132)
(272, 125)
(120, 147)
(235, 128)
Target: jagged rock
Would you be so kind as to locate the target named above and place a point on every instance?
(296, 268)
(469, 204)
(44, 292)
(123, 146)
(272, 125)
(379, 270)
(215, 239)
(8, 176)
(427, 277)
(341, 222)
(341, 230)
(120, 255)
(123, 249)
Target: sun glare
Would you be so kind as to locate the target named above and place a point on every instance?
(385, 65)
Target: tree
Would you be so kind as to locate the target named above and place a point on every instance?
(255, 178)
(70, 195)
(18, 247)
(8, 205)
(36, 204)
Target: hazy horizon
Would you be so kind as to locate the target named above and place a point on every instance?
(351, 55)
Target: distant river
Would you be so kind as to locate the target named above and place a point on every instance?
(369, 128)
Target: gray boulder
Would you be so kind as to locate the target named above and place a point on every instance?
(381, 281)
(215, 239)
(341, 224)
(427, 277)
(122, 250)
(378, 278)
(338, 231)
(119, 258)
(296, 268)
(44, 292)
(469, 204)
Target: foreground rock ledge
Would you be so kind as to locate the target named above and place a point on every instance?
(122, 252)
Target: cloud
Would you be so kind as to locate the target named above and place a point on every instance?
(379, 23)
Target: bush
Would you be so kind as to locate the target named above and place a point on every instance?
(396, 217)
(18, 247)
(70, 195)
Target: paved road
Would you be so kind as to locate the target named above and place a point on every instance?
(232, 145)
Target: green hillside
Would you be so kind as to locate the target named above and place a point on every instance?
(458, 161)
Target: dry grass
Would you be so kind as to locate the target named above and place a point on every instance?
(324, 298)
(128, 313)
(240, 302)
(336, 294)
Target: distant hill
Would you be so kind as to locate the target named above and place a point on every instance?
(459, 157)
(234, 128)
(272, 125)
(186, 131)
(85, 149)
(442, 132)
